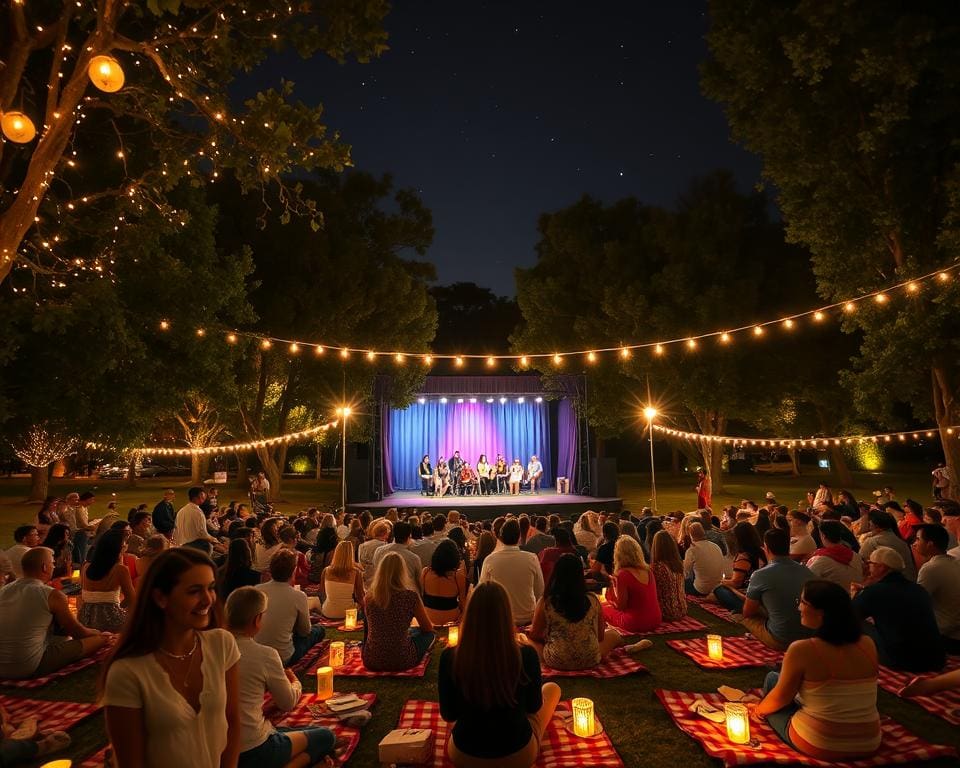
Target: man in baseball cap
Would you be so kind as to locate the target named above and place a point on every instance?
(905, 627)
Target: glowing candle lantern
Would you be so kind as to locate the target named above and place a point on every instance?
(324, 683)
(603, 595)
(350, 619)
(584, 724)
(58, 764)
(105, 73)
(715, 647)
(453, 636)
(76, 573)
(337, 652)
(17, 127)
(738, 723)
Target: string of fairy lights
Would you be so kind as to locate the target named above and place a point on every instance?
(809, 442)
(758, 330)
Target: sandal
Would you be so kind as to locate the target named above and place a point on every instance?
(53, 743)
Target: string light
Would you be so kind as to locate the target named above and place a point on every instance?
(40, 447)
(625, 351)
(799, 442)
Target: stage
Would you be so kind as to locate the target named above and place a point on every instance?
(548, 502)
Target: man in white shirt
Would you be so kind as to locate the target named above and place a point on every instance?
(401, 545)
(802, 544)
(286, 624)
(703, 563)
(190, 529)
(261, 670)
(835, 561)
(940, 576)
(26, 537)
(379, 532)
(534, 473)
(518, 572)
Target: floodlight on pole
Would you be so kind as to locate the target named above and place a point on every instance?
(343, 412)
(651, 413)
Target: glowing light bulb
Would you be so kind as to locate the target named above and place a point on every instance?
(757, 330)
(691, 343)
(818, 316)
(849, 307)
(658, 350)
(458, 361)
(491, 362)
(724, 338)
(880, 298)
(788, 323)
(344, 353)
(591, 357)
(294, 348)
(557, 359)
(266, 344)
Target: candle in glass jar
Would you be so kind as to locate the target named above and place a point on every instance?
(58, 764)
(337, 652)
(603, 595)
(715, 647)
(738, 723)
(324, 683)
(584, 724)
(350, 619)
(453, 636)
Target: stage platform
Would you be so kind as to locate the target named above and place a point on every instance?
(548, 502)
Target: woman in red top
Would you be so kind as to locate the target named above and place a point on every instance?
(632, 595)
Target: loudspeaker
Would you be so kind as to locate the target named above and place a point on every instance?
(358, 473)
(604, 478)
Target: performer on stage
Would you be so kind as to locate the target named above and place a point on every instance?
(704, 494)
(441, 478)
(483, 474)
(501, 472)
(534, 473)
(515, 477)
(456, 465)
(469, 481)
(426, 476)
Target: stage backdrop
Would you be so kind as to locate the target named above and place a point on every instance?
(515, 429)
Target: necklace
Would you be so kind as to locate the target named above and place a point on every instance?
(187, 655)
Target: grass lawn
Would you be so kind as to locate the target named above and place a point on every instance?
(635, 720)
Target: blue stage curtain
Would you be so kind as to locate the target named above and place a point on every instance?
(517, 430)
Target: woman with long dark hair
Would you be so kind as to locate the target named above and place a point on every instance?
(731, 593)
(105, 580)
(444, 584)
(568, 628)
(322, 553)
(486, 543)
(58, 539)
(490, 688)
(666, 565)
(170, 688)
(269, 545)
(823, 702)
(238, 569)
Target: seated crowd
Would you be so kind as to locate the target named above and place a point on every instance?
(527, 594)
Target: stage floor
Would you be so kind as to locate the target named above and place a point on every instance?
(548, 502)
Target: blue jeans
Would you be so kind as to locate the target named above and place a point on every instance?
(779, 720)
(422, 641)
(303, 643)
(690, 589)
(275, 751)
(729, 599)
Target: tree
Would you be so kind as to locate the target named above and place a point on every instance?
(201, 426)
(179, 58)
(39, 447)
(851, 107)
(349, 283)
(472, 319)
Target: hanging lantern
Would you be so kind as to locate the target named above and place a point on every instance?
(105, 73)
(17, 127)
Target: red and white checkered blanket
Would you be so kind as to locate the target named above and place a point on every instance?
(38, 682)
(353, 664)
(51, 715)
(560, 748)
(899, 747)
(617, 663)
(320, 650)
(97, 760)
(715, 608)
(686, 624)
(316, 618)
(945, 705)
(737, 652)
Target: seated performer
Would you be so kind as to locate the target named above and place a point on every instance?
(464, 485)
(456, 465)
(441, 478)
(501, 473)
(534, 473)
(483, 474)
(515, 477)
(426, 476)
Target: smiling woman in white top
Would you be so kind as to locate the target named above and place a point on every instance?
(171, 690)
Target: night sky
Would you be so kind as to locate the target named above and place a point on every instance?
(497, 112)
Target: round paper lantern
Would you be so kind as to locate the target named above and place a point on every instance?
(17, 127)
(105, 73)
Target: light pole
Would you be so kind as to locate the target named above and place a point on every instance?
(651, 413)
(343, 412)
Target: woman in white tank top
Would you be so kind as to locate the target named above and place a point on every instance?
(342, 583)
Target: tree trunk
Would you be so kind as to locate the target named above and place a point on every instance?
(39, 483)
(944, 409)
(243, 479)
(196, 468)
(319, 456)
(273, 461)
(132, 473)
(795, 460)
(712, 423)
(841, 469)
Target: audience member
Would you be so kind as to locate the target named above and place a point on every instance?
(540, 539)
(771, 609)
(835, 561)
(490, 688)
(155, 546)
(261, 671)
(486, 543)
(390, 644)
(164, 516)
(139, 532)
(940, 576)
(190, 529)
(58, 541)
(601, 565)
(731, 593)
(26, 537)
(632, 595)
(884, 533)
(378, 533)
(286, 625)
(517, 571)
(170, 690)
(667, 569)
(322, 553)
(269, 544)
(401, 546)
(802, 544)
(586, 530)
(237, 571)
(444, 585)
(107, 586)
(563, 544)
(904, 624)
(703, 563)
(710, 533)
(342, 582)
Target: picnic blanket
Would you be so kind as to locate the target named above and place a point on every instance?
(715, 608)
(945, 705)
(617, 663)
(899, 747)
(353, 664)
(316, 618)
(560, 748)
(97, 759)
(738, 652)
(686, 624)
(320, 650)
(38, 682)
(51, 715)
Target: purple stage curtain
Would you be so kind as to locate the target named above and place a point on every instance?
(517, 430)
(567, 443)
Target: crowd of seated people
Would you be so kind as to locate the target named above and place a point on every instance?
(839, 586)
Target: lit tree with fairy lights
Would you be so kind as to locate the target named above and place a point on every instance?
(145, 84)
(38, 447)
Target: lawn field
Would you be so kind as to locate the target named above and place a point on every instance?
(635, 720)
